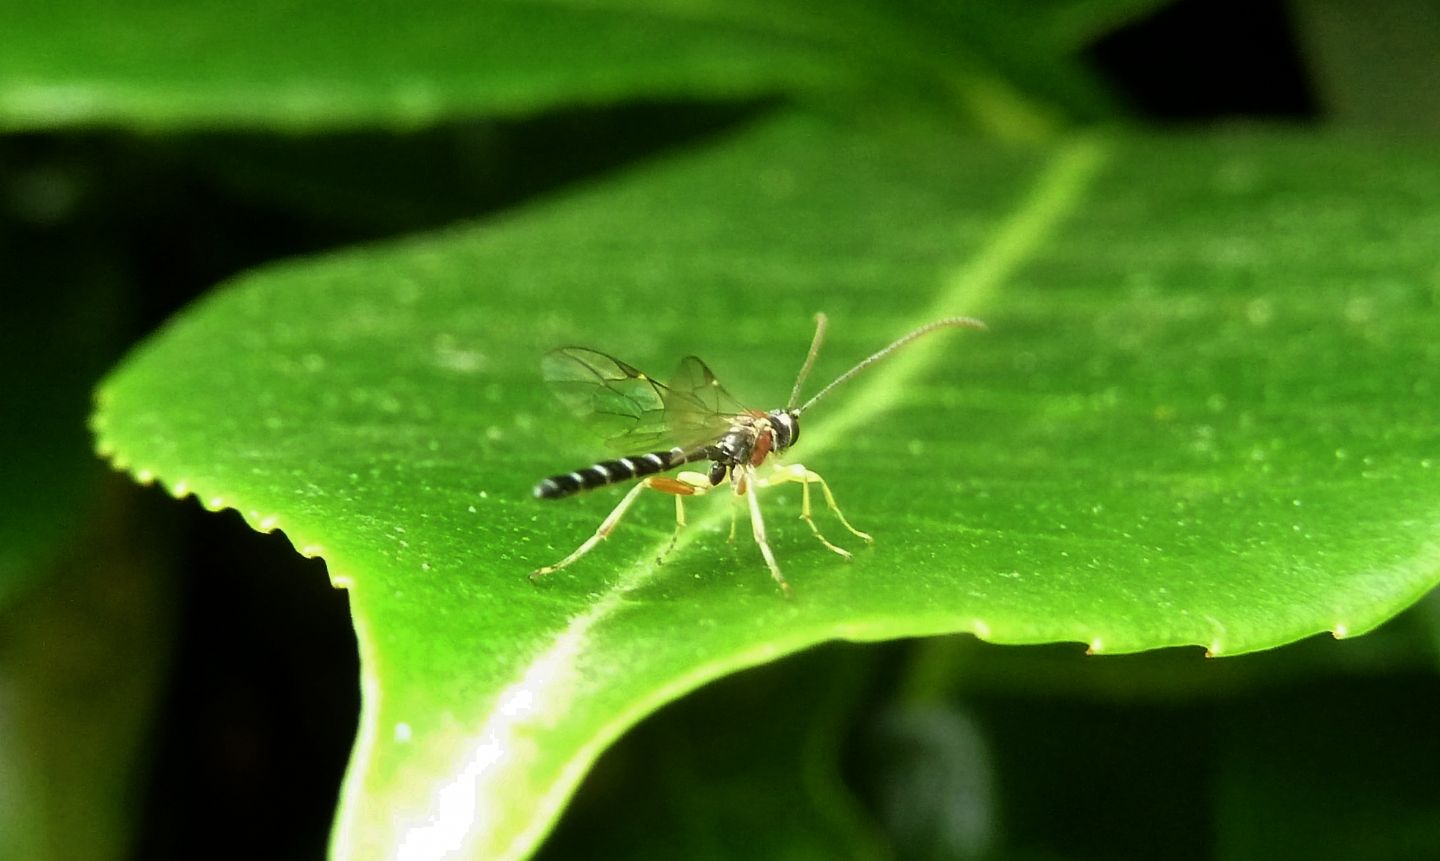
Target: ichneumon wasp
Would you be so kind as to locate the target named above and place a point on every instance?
(690, 419)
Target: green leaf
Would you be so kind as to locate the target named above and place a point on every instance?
(318, 65)
(274, 64)
(1204, 414)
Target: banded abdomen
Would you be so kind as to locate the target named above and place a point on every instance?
(621, 469)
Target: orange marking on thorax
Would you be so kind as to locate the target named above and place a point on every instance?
(763, 444)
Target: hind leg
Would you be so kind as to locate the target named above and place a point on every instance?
(683, 484)
(606, 526)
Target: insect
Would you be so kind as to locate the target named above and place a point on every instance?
(688, 420)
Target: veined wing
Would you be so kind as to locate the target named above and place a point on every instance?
(619, 402)
(697, 406)
(633, 411)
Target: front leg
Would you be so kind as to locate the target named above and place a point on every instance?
(747, 485)
(799, 473)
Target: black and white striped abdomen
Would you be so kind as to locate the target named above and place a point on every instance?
(611, 471)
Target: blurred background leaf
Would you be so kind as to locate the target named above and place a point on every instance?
(1374, 61)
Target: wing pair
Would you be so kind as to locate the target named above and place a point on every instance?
(632, 410)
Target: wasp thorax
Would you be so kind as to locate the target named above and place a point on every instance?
(738, 442)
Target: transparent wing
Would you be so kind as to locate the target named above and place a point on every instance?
(630, 409)
(697, 405)
(619, 402)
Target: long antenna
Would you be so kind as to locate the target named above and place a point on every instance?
(967, 322)
(809, 360)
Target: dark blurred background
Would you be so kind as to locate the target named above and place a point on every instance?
(239, 665)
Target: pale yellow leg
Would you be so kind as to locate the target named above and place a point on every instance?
(798, 473)
(695, 483)
(814, 478)
(757, 528)
(733, 502)
(679, 525)
(605, 528)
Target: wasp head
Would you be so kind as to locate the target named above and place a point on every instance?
(785, 425)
